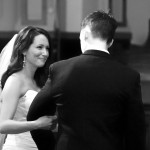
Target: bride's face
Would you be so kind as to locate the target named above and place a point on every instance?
(38, 51)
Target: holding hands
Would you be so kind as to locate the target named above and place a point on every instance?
(47, 122)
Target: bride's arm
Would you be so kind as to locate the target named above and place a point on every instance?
(0, 96)
(10, 96)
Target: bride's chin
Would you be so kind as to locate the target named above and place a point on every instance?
(41, 65)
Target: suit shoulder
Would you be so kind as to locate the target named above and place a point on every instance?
(65, 61)
(128, 69)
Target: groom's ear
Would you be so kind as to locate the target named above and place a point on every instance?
(110, 44)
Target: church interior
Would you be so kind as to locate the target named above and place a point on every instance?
(62, 19)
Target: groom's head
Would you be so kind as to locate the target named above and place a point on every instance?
(98, 25)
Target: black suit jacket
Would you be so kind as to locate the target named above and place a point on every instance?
(98, 102)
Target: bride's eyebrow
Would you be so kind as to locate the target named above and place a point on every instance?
(47, 46)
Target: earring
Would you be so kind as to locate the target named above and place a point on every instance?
(24, 60)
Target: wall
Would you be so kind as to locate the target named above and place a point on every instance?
(8, 13)
(11, 15)
(137, 17)
(88, 7)
(73, 14)
(138, 20)
(73, 11)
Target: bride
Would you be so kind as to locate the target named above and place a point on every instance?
(24, 66)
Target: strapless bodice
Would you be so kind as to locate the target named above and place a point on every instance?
(22, 141)
(24, 104)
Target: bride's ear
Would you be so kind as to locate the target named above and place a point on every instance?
(24, 53)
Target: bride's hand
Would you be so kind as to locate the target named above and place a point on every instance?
(47, 122)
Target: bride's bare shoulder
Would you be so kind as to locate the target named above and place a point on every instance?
(16, 82)
(18, 77)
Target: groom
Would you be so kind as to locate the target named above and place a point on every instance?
(98, 100)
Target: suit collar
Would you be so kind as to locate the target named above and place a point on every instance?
(96, 53)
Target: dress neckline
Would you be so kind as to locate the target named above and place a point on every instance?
(30, 90)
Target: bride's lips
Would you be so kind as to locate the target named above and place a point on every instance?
(44, 59)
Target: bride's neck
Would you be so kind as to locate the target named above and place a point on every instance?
(29, 71)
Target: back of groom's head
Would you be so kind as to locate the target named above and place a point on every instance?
(101, 24)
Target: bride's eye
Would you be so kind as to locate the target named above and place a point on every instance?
(39, 47)
(48, 48)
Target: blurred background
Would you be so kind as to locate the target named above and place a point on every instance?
(62, 18)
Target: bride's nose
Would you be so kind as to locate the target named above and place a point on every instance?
(45, 52)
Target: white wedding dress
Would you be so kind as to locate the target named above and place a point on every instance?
(21, 141)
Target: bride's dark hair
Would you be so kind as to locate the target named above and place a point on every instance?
(22, 43)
